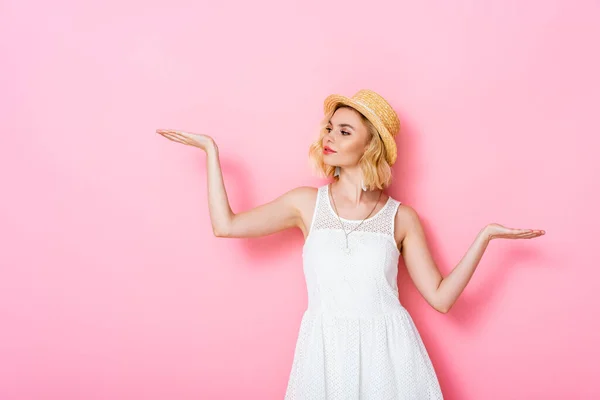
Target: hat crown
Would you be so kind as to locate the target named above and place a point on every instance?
(380, 108)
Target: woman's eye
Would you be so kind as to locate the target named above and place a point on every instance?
(343, 132)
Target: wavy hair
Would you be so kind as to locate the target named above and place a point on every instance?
(377, 173)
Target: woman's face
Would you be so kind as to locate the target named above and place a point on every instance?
(346, 138)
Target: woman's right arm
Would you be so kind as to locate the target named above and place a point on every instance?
(279, 214)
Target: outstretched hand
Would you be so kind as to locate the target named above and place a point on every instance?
(204, 142)
(495, 231)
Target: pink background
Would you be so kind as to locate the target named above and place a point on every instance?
(112, 285)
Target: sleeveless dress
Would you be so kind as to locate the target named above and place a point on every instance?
(356, 341)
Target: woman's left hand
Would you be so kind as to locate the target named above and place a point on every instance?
(494, 231)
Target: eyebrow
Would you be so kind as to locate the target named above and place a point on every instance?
(343, 125)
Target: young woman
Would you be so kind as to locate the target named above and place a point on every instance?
(356, 341)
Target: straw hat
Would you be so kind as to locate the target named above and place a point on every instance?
(377, 110)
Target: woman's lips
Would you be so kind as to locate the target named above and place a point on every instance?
(327, 150)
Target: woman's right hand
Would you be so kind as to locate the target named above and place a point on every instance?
(204, 142)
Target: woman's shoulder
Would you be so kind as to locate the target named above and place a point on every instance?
(302, 196)
(304, 191)
(407, 216)
(405, 220)
(303, 199)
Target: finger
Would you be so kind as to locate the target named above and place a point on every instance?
(170, 134)
(523, 235)
(512, 230)
(171, 131)
(531, 235)
(182, 139)
(187, 141)
(165, 134)
(176, 132)
(534, 232)
(175, 138)
(163, 131)
(180, 135)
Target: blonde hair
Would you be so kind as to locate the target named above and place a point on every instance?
(377, 173)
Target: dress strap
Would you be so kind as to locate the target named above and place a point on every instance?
(393, 213)
(318, 209)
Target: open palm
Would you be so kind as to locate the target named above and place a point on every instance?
(498, 231)
(191, 139)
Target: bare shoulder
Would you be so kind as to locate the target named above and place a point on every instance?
(302, 196)
(406, 220)
(406, 213)
(302, 199)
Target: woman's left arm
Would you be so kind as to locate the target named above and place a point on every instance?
(442, 292)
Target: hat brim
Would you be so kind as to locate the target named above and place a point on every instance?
(333, 100)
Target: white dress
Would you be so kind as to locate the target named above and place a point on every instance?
(356, 341)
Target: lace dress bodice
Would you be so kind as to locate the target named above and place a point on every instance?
(363, 282)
